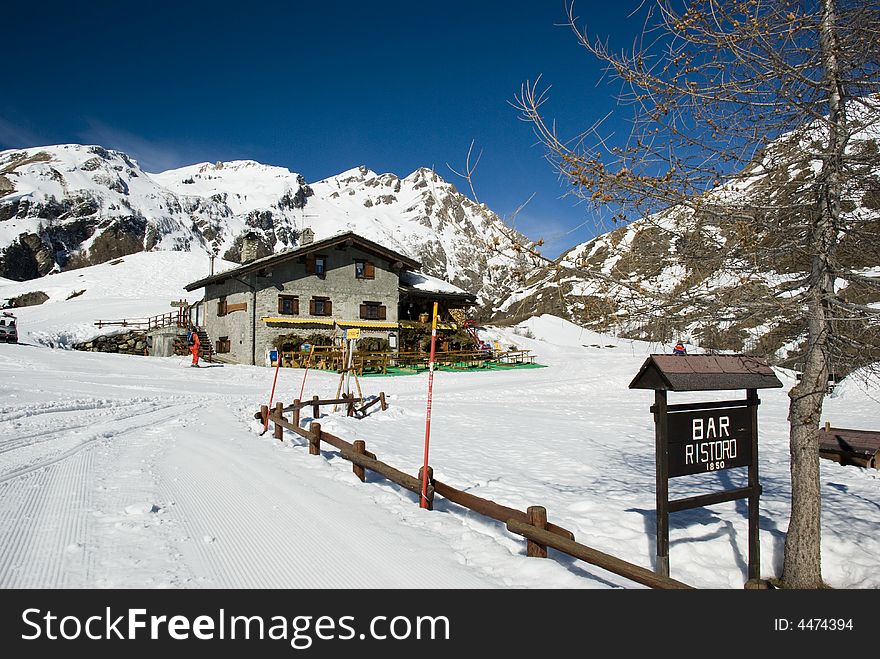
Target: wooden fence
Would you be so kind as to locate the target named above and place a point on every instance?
(532, 524)
(176, 318)
(350, 401)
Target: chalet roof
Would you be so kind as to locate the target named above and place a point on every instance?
(418, 284)
(333, 241)
(704, 373)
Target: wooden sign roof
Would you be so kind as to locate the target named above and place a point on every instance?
(704, 373)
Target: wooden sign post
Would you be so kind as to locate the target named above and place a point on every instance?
(695, 438)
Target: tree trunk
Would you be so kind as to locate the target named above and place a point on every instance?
(802, 567)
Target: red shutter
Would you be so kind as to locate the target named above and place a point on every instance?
(280, 304)
(310, 264)
(311, 307)
(382, 312)
(296, 306)
(328, 308)
(369, 270)
(363, 311)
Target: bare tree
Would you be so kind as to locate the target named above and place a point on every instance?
(742, 117)
(468, 170)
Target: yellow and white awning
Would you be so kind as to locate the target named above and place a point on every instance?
(367, 324)
(327, 322)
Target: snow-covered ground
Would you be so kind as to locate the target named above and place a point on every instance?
(128, 472)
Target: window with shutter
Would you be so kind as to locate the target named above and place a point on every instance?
(373, 311)
(288, 305)
(364, 270)
(320, 306)
(221, 306)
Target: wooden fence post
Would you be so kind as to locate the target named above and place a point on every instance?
(430, 501)
(296, 412)
(316, 408)
(350, 406)
(537, 517)
(360, 447)
(315, 438)
(264, 415)
(382, 399)
(279, 413)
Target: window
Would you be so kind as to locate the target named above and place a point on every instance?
(320, 306)
(288, 305)
(316, 264)
(373, 311)
(224, 344)
(364, 270)
(221, 306)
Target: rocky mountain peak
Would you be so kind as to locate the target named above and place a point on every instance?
(67, 206)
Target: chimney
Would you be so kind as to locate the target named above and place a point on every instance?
(307, 237)
(249, 247)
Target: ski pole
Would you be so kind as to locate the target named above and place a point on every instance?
(424, 498)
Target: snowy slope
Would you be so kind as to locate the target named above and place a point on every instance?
(122, 471)
(135, 286)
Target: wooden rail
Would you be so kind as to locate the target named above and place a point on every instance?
(365, 460)
(171, 319)
(491, 509)
(532, 525)
(594, 556)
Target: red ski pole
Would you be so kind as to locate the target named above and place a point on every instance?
(424, 498)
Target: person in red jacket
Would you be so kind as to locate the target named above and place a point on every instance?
(679, 349)
(194, 348)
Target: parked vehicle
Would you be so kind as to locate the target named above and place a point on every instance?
(8, 330)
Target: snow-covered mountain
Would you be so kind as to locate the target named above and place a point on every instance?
(67, 206)
(725, 271)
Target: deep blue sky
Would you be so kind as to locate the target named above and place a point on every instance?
(316, 87)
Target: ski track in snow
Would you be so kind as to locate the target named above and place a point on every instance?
(277, 545)
(105, 486)
(46, 530)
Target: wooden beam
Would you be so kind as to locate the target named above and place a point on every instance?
(613, 564)
(492, 509)
(411, 483)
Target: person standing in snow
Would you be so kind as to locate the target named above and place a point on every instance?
(679, 349)
(194, 348)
